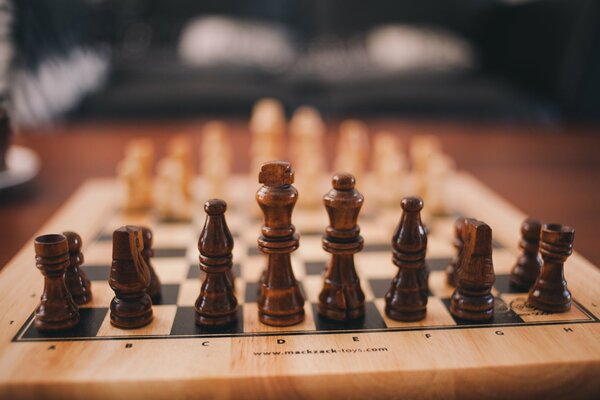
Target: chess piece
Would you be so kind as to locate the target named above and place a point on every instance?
(550, 292)
(135, 173)
(352, 148)
(389, 167)
(129, 278)
(342, 297)
(171, 201)
(406, 300)
(439, 168)
(529, 263)
(458, 243)
(179, 149)
(216, 159)
(57, 310)
(280, 303)
(216, 305)
(76, 279)
(472, 299)
(267, 127)
(307, 132)
(154, 290)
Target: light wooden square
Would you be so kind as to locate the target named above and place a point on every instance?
(170, 269)
(437, 315)
(188, 292)
(98, 253)
(375, 265)
(503, 260)
(438, 285)
(102, 295)
(252, 267)
(161, 324)
(518, 303)
(174, 235)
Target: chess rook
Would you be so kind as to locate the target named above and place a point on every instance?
(57, 310)
(472, 299)
(76, 279)
(342, 297)
(549, 292)
(458, 244)
(406, 300)
(129, 278)
(529, 263)
(280, 303)
(154, 290)
(216, 305)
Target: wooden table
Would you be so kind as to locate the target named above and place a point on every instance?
(546, 171)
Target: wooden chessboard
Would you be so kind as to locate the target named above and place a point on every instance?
(520, 352)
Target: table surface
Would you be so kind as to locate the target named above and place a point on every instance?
(548, 172)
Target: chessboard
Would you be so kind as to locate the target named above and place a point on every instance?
(520, 351)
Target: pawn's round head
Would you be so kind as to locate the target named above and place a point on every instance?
(412, 204)
(215, 207)
(74, 241)
(343, 181)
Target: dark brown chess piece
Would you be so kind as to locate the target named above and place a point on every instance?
(75, 278)
(342, 297)
(472, 299)
(57, 310)
(550, 292)
(280, 303)
(529, 263)
(129, 278)
(458, 243)
(216, 305)
(406, 299)
(155, 289)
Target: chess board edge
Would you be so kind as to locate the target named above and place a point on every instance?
(427, 363)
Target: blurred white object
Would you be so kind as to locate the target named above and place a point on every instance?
(22, 165)
(218, 41)
(57, 84)
(402, 47)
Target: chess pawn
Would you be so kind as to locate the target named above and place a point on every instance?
(353, 148)
(57, 310)
(406, 300)
(342, 297)
(216, 305)
(267, 127)
(171, 201)
(76, 279)
(154, 290)
(389, 166)
(458, 243)
(216, 158)
(549, 292)
(472, 299)
(179, 149)
(129, 278)
(280, 303)
(529, 263)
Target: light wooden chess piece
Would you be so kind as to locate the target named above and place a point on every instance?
(179, 148)
(267, 128)
(215, 162)
(307, 132)
(390, 170)
(171, 201)
(135, 174)
(352, 149)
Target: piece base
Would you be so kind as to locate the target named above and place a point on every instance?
(281, 320)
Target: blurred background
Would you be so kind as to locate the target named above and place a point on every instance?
(509, 60)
